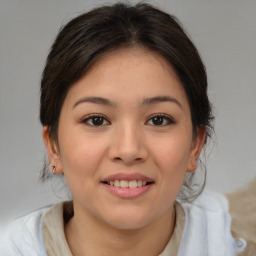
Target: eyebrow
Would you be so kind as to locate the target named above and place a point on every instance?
(95, 100)
(159, 99)
(147, 101)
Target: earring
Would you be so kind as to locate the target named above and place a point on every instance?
(54, 169)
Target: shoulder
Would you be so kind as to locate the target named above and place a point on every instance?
(209, 201)
(207, 225)
(24, 235)
(209, 212)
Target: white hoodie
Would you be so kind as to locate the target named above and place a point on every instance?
(206, 231)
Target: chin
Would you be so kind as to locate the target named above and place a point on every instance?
(129, 220)
(128, 224)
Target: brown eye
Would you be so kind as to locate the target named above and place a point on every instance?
(157, 120)
(160, 120)
(96, 120)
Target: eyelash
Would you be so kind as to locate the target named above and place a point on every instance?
(165, 118)
(91, 116)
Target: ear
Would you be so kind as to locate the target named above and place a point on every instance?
(52, 151)
(196, 149)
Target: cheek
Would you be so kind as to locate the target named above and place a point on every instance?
(172, 158)
(172, 154)
(80, 155)
(80, 160)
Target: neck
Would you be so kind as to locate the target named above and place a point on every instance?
(86, 235)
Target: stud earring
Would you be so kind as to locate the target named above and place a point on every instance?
(54, 169)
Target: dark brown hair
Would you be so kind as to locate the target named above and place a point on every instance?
(89, 36)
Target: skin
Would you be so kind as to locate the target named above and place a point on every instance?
(128, 141)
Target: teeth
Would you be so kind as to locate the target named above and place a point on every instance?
(132, 184)
(116, 183)
(127, 184)
(139, 183)
(124, 183)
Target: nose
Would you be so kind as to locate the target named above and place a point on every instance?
(128, 145)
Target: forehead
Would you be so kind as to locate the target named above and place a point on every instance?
(127, 75)
(134, 61)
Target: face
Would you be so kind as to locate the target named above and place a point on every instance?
(125, 139)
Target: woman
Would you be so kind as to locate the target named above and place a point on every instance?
(125, 115)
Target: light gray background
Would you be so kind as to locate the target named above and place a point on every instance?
(223, 31)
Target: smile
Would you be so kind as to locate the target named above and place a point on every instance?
(127, 184)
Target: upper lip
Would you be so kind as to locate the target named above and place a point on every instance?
(128, 177)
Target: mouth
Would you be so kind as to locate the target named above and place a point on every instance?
(128, 186)
(127, 183)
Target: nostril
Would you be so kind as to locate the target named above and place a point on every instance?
(128, 160)
(138, 159)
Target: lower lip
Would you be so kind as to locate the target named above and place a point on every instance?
(128, 193)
